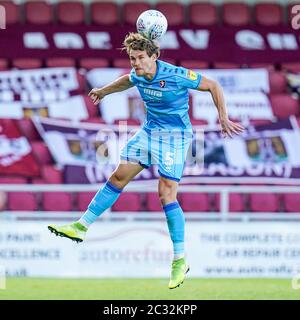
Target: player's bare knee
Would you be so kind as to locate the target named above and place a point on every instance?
(118, 180)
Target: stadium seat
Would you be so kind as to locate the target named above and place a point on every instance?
(12, 13)
(128, 201)
(41, 152)
(131, 11)
(194, 64)
(27, 63)
(84, 199)
(169, 60)
(264, 202)
(91, 63)
(28, 129)
(57, 201)
(268, 66)
(284, 105)
(259, 122)
(111, 16)
(236, 202)
(226, 65)
(38, 12)
(291, 202)
(153, 202)
(70, 12)
(121, 63)
(82, 84)
(22, 201)
(174, 12)
(3, 64)
(60, 62)
(278, 82)
(51, 174)
(12, 180)
(198, 122)
(194, 202)
(291, 66)
(202, 14)
(236, 14)
(268, 14)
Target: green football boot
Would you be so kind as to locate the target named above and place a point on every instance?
(179, 270)
(74, 231)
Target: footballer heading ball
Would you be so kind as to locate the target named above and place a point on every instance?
(152, 24)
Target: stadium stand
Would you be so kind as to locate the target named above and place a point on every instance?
(202, 14)
(236, 14)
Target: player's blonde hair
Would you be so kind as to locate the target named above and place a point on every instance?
(135, 41)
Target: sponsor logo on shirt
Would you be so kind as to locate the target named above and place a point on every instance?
(162, 83)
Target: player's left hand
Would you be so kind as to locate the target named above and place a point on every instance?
(229, 128)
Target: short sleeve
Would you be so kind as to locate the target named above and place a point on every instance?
(132, 77)
(188, 78)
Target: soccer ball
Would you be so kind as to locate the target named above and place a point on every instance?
(152, 24)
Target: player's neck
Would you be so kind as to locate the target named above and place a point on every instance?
(151, 74)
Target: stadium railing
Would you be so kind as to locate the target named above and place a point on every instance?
(223, 215)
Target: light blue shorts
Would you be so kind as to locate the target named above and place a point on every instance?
(167, 149)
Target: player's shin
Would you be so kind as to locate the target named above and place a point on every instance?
(103, 200)
(176, 224)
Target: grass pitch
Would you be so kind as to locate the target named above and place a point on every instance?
(147, 289)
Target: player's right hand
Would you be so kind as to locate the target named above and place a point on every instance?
(96, 95)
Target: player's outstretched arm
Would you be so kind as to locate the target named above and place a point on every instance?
(228, 127)
(118, 85)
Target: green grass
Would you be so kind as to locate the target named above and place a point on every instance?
(147, 289)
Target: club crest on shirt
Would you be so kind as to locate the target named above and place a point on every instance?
(191, 75)
(162, 83)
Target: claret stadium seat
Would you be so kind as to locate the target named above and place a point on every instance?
(12, 12)
(70, 12)
(22, 201)
(194, 64)
(38, 12)
(264, 202)
(27, 63)
(192, 202)
(91, 63)
(4, 64)
(28, 129)
(174, 12)
(278, 82)
(268, 14)
(51, 174)
(236, 14)
(284, 105)
(57, 201)
(111, 16)
(291, 202)
(84, 199)
(131, 11)
(236, 202)
(202, 14)
(41, 152)
(152, 202)
(128, 201)
(60, 62)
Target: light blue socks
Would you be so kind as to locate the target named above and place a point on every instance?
(176, 223)
(103, 200)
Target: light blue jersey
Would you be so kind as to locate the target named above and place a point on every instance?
(166, 96)
(166, 134)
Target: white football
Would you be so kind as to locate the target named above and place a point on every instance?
(152, 24)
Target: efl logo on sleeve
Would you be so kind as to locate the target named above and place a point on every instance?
(2, 18)
(192, 75)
